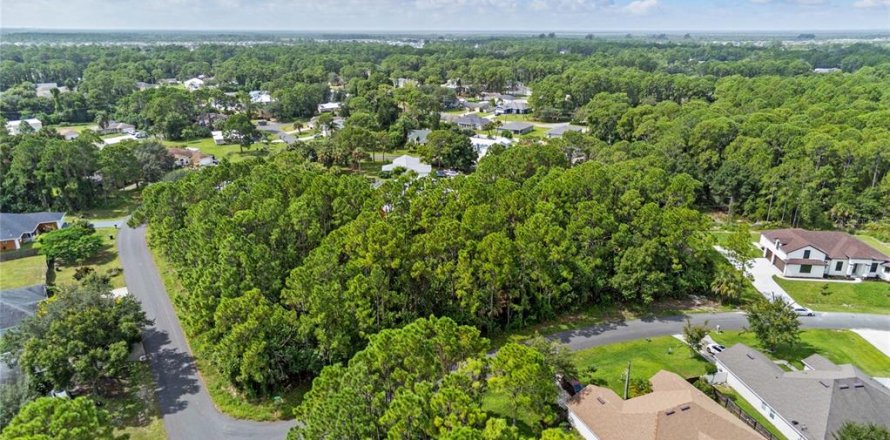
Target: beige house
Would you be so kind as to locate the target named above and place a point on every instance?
(673, 410)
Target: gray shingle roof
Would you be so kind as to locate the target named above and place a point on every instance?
(516, 126)
(18, 304)
(563, 129)
(418, 136)
(819, 400)
(472, 119)
(14, 225)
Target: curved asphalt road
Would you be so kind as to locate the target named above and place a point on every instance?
(188, 411)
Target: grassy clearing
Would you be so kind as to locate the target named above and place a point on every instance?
(22, 272)
(746, 407)
(839, 346)
(864, 297)
(120, 204)
(225, 398)
(498, 405)
(106, 260)
(76, 127)
(875, 243)
(134, 408)
(231, 152)
(606, 365)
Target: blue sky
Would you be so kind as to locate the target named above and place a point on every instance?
(438, 15)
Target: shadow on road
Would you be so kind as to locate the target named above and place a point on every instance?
(175, 372)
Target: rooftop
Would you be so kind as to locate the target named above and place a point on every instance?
(673, 410)
(14, 225)
(835, 244)
(818, 400)
(516, 126)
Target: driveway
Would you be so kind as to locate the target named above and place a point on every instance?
(761, 272)
(188, 411)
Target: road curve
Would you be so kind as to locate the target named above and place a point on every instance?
(187, 409)
(189, 412)
(620, 331)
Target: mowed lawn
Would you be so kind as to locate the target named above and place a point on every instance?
(22, 272)
(839, 346)
(231, 152)
(864, 297)
(102, 262)
(605, 365)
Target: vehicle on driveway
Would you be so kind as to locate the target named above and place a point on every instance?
(570, 385)
(803, 311)
(715, 348)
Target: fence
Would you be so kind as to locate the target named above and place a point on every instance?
(734, 408)
(18, 253)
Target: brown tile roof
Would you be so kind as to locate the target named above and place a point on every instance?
(673, 410)
(837, 245)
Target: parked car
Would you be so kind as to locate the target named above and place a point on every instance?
(141, 135)
(715, 348)
(803, 311)
(571, 385)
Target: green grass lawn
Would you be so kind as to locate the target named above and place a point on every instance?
(22, 272)
(498, 405)
(120, 204)
(102, 262)
(134, 408)
(864, 297)
(224, 397)
(76, 127)
(230, 151)
(746, 407)
(605, 365)
(840, 346)
(875, 243)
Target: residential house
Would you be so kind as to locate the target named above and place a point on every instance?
(418, 136)
(409, 163)
(191, 158)
(514, 107)
(14, 127)
(211, 119)
(15, 306)
(472, 122)
(45, 90)
(329, 107)
(260, 97)
(556, 132)
(673, 410)
(479, 106)
(144, 85)
(519, 89)
(17, 229)
(405, 82)
(193, 84)
(112, 127)
(826, 70)
(517, 127)
(482, 143)
(817, 254)
(811, 404)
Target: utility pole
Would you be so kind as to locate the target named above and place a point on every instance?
(626, 380)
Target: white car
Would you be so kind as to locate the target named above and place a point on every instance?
(803, 311)
(715, 348)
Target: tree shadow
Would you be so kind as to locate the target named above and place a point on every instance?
(176, 375)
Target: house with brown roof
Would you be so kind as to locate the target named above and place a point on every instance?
(673, 410)
(818, 254)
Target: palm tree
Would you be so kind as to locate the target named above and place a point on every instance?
(299, 127)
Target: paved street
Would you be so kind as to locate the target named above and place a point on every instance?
(187, 409)
(620, 331)
(189, 412)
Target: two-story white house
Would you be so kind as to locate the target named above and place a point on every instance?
(818, 254)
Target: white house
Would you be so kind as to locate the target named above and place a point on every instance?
(218, 137)
(811, 404)
(482, 143)
(329, 107)
(13, 127)
(193, 84)
(260, 97)
(409, 163)
(818, 254)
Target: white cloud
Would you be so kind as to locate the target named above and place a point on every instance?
(641, 7)
(864, 4)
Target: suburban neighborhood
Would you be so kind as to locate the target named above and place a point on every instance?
(498, 235)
